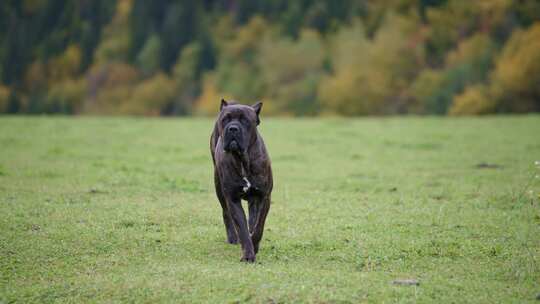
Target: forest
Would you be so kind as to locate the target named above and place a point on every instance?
(301, 58)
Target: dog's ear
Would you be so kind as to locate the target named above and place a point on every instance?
(257, 107)
(224, 103)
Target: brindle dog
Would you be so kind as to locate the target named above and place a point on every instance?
(241, 171)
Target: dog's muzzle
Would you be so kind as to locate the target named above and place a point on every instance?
(233, 138)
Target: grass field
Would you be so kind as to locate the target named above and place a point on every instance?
(123, 210)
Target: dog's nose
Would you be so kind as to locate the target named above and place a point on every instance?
(233, 129)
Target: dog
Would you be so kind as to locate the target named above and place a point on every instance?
(242, 170)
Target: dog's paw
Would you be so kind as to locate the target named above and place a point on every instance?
(232, 238)
(232, 241)
(248, 258)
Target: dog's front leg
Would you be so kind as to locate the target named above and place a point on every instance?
(258, 229)
(253, 204)
(240, 223)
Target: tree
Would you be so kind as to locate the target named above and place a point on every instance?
(371, 76)
(290, 71)
(468, 64)
(473, 101)
(65, 97)
(186, 74)
(150, 97)
(208, 101)
(148, 59)
(108, 86)
(238, 73)
(516, 78)
(114, 45)
(4, 98)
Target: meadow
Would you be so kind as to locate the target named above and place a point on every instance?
(123, 210)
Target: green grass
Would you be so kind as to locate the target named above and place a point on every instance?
(123, 210)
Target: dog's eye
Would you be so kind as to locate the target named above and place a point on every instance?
(244, 121)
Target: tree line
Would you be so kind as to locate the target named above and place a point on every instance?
(305, 57)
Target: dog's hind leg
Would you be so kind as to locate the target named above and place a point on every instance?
(232, 237)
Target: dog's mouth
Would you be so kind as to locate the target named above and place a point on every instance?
(233, 146)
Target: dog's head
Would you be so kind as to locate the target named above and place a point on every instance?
(237, 125)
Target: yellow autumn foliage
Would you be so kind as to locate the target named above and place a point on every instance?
(109, 86)
(4, 98)
(115, 42)
(150, 96)
(65, 65)
(67, 96)
(517, 72)
(370, 76)
(210, 99)
(290, 71)
(475, 100)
